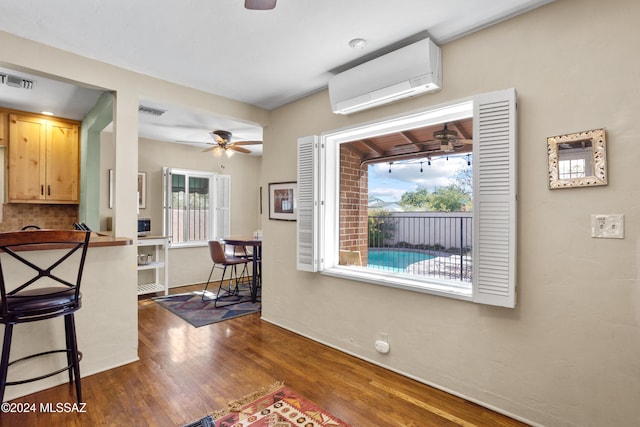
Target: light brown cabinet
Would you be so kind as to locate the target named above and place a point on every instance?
(43, 160)
(4, 128)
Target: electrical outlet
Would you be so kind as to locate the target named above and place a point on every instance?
(610, 226)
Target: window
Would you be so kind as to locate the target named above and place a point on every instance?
(494, 186)
(573, 168)
(196, 206)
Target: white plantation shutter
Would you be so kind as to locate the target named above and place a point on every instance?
(494, 204)
(223, 205)
(307, 220)
(167, 228)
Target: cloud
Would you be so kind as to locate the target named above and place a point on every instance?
(406, 176)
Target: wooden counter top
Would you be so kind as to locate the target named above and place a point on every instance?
(100, 240)
(97, 240)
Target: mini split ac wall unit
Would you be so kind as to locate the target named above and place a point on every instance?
(412, 70)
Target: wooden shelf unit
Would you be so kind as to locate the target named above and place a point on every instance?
(159, 267)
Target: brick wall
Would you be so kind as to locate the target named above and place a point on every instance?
(17, 215)
(353, 203)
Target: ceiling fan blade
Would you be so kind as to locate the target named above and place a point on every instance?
(462, 142)
(446, 146)
(218, 139)
(246, 143)
(215, 149)
(259, 4)
(239, 149)
(415, 143)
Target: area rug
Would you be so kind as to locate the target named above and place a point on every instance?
(275, 406)
(190, 307)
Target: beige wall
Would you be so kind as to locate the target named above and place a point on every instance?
(569, 354)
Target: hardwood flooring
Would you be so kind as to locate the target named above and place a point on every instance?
(185, 373)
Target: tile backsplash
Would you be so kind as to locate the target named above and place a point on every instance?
(17, 215)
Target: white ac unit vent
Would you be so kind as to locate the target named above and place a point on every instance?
(150, 110)
(408, 71)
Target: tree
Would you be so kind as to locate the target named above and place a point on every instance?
(381, 228)
(443, 199)
(464, 179)
(449, 198)
(416, 200)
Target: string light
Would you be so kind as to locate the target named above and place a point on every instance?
(427, 160)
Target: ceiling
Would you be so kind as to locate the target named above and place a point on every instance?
(263, 58)
(414, 143)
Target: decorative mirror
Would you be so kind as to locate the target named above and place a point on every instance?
(577, 159)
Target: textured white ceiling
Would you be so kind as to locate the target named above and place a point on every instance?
(263, 58)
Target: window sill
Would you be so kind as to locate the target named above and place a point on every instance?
(188, 245)
(444, 288)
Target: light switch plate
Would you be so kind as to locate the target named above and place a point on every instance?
(607, 226)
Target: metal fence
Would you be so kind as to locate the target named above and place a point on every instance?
(434, 244)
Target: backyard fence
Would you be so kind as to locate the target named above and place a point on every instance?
(446, 237)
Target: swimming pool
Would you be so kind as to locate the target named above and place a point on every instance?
(394, 260)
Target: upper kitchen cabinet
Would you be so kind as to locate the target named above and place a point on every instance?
(43, 160)
(4, 128)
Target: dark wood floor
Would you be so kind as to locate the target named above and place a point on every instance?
(185, 373)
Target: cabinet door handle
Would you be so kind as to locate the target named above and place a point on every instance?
(48, 190)
(42, 190)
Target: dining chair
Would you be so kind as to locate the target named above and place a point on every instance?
(35, 287)
(225, 262)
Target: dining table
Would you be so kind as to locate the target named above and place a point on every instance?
(256, 244)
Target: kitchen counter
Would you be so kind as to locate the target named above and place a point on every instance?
(101, 240)
(97, 240)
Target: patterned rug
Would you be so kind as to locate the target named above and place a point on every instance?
(190, 307)
(274, 406)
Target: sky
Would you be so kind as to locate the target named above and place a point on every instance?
(406, 176)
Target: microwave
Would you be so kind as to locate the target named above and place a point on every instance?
(144, 226)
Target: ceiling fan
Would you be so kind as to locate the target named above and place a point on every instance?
(223, 144)
(448, 140)
(259, 4)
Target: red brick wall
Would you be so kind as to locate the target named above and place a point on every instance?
(353, 203)
(17, 215)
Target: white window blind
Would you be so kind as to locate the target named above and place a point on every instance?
(495, 184)
(307, 221)
(222, 200)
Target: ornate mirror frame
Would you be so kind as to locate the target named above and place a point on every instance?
(577, 159)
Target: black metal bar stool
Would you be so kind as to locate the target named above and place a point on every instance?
(48, 293)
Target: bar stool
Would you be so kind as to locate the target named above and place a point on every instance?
(221, 260)
(45, 295)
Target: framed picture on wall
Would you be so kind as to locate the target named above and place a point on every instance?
(142, 190)
(283, 200)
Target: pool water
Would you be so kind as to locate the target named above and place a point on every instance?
(394, 260)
